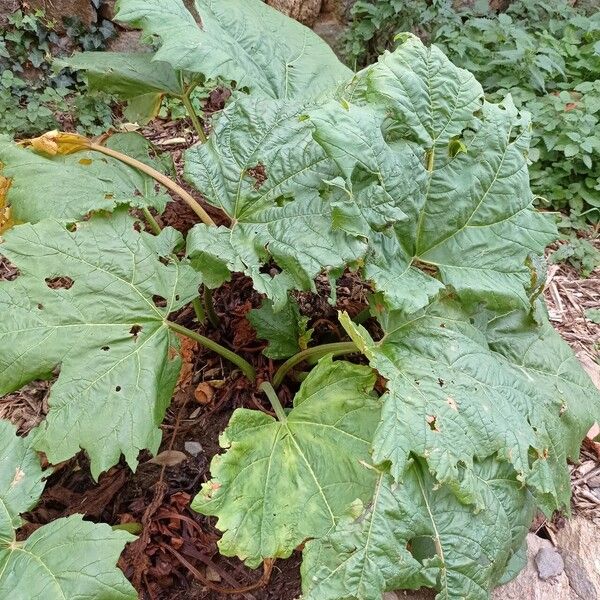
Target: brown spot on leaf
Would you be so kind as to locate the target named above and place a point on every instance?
(135, 331)
(432, 422)
(452, 403)
(259, 174)
(59, 283)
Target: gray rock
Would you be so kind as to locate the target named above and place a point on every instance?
(193, 448)
(579, 544)
(305, 11)
(549, 563)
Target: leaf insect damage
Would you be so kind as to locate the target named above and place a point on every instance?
(422, 467)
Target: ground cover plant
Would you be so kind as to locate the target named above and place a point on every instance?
(418, 447)
(546, 54)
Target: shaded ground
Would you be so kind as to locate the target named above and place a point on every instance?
(176, 555)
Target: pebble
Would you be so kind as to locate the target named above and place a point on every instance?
(193, 448)
(549, 563)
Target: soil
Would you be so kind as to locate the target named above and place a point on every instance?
(176, 555)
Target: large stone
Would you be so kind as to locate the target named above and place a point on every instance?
(127, 41)
(340, 9)
(579, 544)
(57, 10)
(305, 11)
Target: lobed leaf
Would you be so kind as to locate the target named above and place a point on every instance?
(239, 41)
(470, 219)
(264, 170)
(67, 187)
(452, 398)
(417, 533)
(86, 301)
(282, 482)
(68, 559)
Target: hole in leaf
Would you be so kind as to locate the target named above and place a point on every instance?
(422, 548)
(40, 306)
(440, 382)
(159, 301)
(135, 330)
(259, 174)
(71, 227)
(8, 272)
(105, 348)
(118, 388)
(177, 297)
(59, 283)
(432, 422)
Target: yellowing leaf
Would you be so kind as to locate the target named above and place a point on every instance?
(55, 143)
(6, 221)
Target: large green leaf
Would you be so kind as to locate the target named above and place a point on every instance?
(282, 482)
(68, 187)
(262, 167)
(244, 41)
(117, 357)
(416, 533)
(69, 559)
(452, 399)
(136, 77)
(469, 207)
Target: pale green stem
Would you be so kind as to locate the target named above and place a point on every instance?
(157, 176)
(271, 394)
(209, 306)
(152, 222)
(199, 310)
(245, 366)
(187, 102)
(316, 352)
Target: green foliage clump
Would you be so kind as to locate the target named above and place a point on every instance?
(421, 467)
(33, 97)
(544, 53)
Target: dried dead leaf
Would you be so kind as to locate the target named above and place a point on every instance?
(55, 143)
(168, 458)
(204, 393)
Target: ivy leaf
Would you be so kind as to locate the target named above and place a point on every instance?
(452, 399)
(416, 533)
(262, 167)
(67, 187)
(86, 301)
(458, 201)
(286, 330)
(239, 41)
(282, 482)
(130, 76)
(84, 568)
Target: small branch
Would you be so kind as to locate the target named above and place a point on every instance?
(245, 366)
(316, 352)
(209, 306)
(187, 102)
(157, 176)
(271, 394)
(152, 222)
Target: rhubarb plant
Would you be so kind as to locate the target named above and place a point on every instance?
(419, 463)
